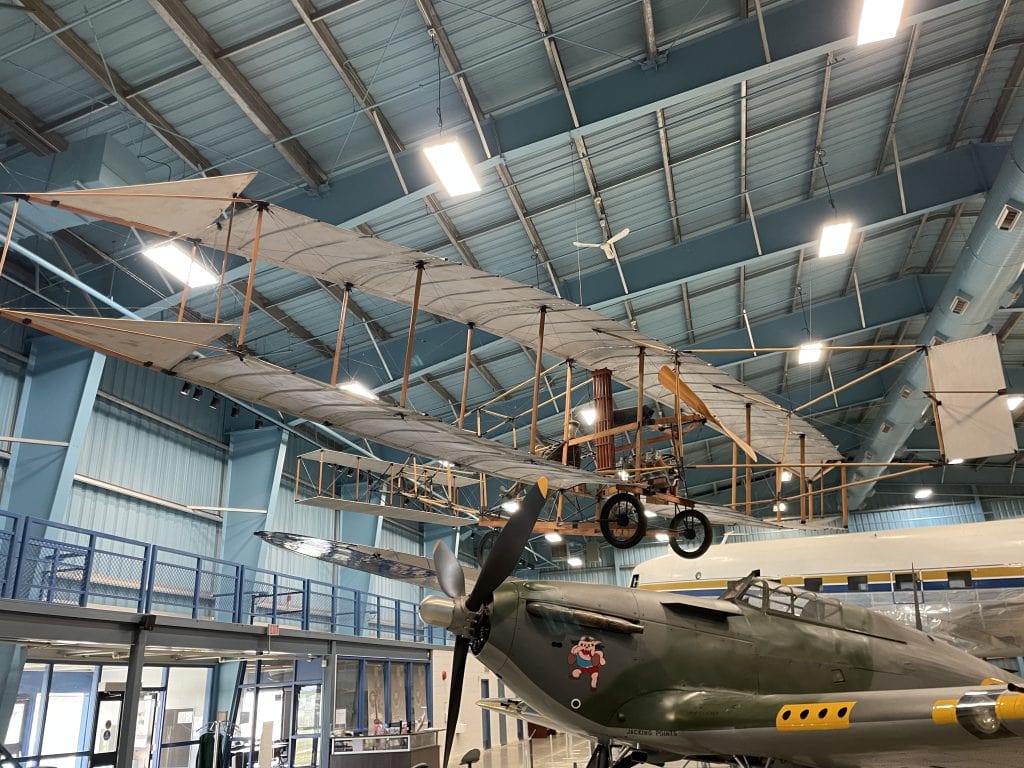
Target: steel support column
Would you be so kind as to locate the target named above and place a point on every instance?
(255, 461)
(57, 397)
(327, 691)
(12, 661)
(132, 689)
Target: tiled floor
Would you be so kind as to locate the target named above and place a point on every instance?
(559, 751)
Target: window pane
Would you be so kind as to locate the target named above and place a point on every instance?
(277, 671)
(184, 713)
(304, 751)
(419, 695)
(270, 709)
(152, 677)
(398, 712)
(345, 694)
(375, 693)
(307, 718)
(25, 741)
(68, 711)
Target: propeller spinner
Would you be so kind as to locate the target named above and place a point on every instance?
(465, 615)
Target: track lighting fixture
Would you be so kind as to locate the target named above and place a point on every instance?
(185, 387)
(197, 393)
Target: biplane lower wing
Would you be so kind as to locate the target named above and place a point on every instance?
(402, 566)
(718, 514)
(388, 511)
(146, 342)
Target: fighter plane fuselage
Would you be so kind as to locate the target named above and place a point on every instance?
(680, 675)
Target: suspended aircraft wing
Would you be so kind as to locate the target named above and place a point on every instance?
(495, 304)
(374, 560)
(950, 727)
(388, 511)
(722, 515)
(511, 310)
(151, 343)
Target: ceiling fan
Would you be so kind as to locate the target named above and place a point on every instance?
(608, 247)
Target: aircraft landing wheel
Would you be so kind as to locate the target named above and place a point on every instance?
(690, 533)
(623, 522)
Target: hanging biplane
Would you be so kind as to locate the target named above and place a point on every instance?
(210, 212)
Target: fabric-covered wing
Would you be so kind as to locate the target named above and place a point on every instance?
(150, 343)
(384, 510)
(511, 310)
(379, 562)
(260, 382)
(171, 208)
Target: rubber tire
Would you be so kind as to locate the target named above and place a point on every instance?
(683, 517)
(485, 545)
(607, 510)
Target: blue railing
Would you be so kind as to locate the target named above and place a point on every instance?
(49, 562)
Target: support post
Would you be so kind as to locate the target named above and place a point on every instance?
(746, 473)
(341, 334)
(536, 378)
(842, 491)
(184, 288)
(261, 209)
(637, 456)
(803, 478)
(601, 392)
(327, 692)
(566, 417)
(132, 691)
(465, 374)
(735, 464)
(420, 266)
(10, 233)
(224, 263)
(778, 494)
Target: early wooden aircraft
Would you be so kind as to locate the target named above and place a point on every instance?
(211, 212)
(763, 675)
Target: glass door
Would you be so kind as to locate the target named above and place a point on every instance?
(142, 754)
(108, 723)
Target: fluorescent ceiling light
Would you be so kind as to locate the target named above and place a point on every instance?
(662, 537)
(879, 20)
(809, 352)
(835, 239)
(358, 389)
(955, 461)
(452, 168)
(588, 415)
(511, 506)
(179, 264)
(1013, 401)
(554, 537)
(574, 562)
(786, 475)
(623, 475)
(923, 493)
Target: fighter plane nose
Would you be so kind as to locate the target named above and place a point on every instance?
(438, 611)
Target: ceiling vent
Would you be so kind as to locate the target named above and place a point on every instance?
(1007, 218)
(906, 392)
(886, 427)
(959, 305)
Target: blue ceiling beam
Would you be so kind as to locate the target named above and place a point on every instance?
(797, 32)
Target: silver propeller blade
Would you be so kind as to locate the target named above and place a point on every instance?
(449, 572)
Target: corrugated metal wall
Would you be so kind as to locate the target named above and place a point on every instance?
(117, 514)
(304, 519)
(1003, 509)
(12, 373)
(916, 517)
(132, 451)
(400, 539)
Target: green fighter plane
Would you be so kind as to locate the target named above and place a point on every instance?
(763, 675)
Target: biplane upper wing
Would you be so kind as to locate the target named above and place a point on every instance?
(162, 345)
(510, 309)
(495, 304)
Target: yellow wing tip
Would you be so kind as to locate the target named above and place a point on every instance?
(542, 486)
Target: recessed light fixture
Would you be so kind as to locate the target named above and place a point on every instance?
(923, 493)
(452, 168)
(574, 562)
(588, 415)
(955, 461)
(1013, 401)
(786, 476)
(554, 537)
(879, 20)
(197, 393)
(358, 389)
(511, 506)
(662, 537)
(172, 259)
(809, 352)
(835, 239)
(185, 387)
